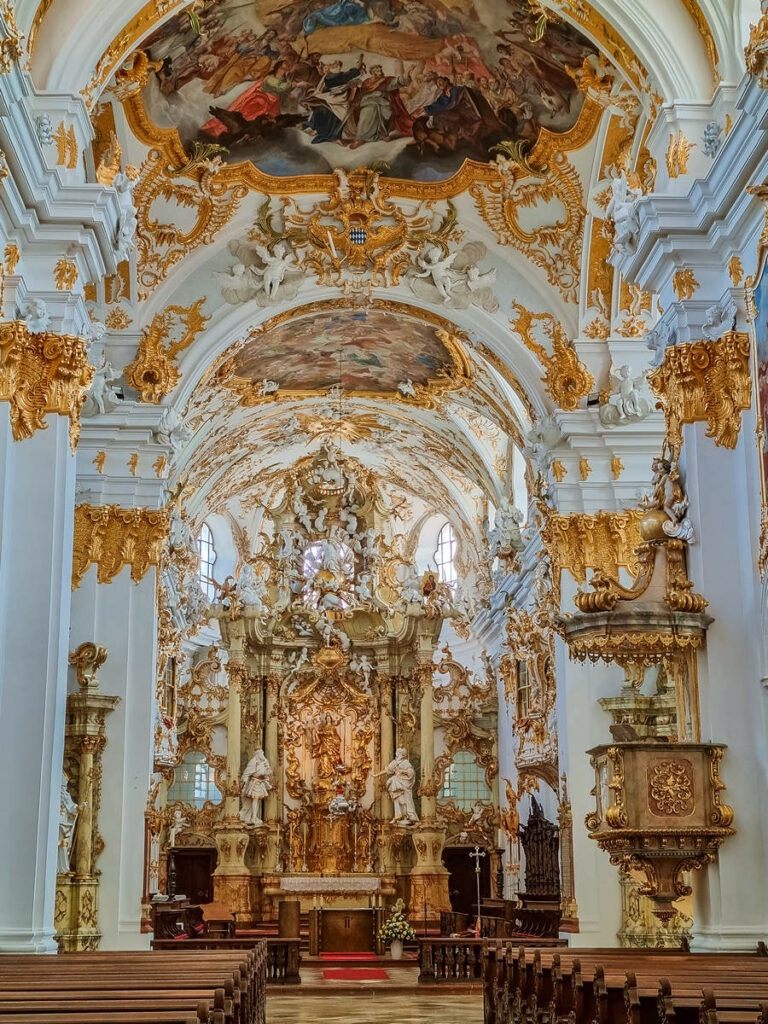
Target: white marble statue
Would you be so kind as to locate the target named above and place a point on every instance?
(411, 590)
(34, 313)
(630, 400)
(401, 779)
(276, 265)
(268, 387)
(176, 825)
(197, 606)
(298, 658)
(237, 283)
(623, 212)
(256, 784)
(127, 219)
(172, 429)
(68, 811)
(102, 397)
(719, 318)
(260, 275)
(505, 537)
(179, 533)
(301, 511)
(455, 279)
(251, 589)
(659, 339)
(361, 665)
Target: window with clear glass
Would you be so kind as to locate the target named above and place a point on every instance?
(194, 781)
(445, 555)
(207, 553)
(464, 781)
(523, 690)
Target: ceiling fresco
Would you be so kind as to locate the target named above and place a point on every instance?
(412, 87)
(368, 351)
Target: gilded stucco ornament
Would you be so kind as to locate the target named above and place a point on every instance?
(112, 537)
(756, 50)
(566, 379)
(42, 373)
(706, 381)
(12, 42)
(154, 373)
(604, 541)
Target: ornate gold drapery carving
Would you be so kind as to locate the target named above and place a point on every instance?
(605, 541)
(153, 372)
(111, 537)
(40, 374)
(707, 381)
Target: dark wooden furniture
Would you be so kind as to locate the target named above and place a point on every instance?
(347, 931)
(283, 955)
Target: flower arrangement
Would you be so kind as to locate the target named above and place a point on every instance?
(396, 928)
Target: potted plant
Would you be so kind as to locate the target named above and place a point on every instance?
(396, 930)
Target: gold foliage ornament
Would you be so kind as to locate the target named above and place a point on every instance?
(756, 50)
(153, 373)
(566, 379)
(604, 541)
(12, 41)
(40, 374)
(706, 381)
(112, 537)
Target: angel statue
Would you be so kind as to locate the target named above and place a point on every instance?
(276, 265)
(401, 779)
(255, 785)
(68, 811)
(622, 211)
(406, 388)
(251, 589)
(629, 401)
(669, 496)
(437, 266)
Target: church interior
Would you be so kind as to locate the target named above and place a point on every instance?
(384, 511)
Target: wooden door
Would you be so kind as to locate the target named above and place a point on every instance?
(194, 873)
(462, 884)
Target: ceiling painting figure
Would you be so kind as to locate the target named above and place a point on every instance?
(413, 86)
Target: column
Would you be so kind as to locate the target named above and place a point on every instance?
(37, 473)
(234, 885)
(429, 878)
(730, 899)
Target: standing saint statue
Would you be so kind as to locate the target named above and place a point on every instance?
(255, 785)
(400, 782)
(68, 810)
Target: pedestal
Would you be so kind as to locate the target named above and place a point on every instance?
(429, 877)
(76, 916)
(233, 883)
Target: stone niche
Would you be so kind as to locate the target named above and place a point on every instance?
(658, 809)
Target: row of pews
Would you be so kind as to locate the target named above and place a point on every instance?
(203, 987)
(622, 986)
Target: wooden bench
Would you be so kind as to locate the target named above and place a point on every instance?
(208, 987)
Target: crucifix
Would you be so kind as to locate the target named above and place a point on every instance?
(476, 855)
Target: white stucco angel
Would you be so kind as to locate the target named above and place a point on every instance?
(268, 387)
(276, 265)
(630, 399)
(172, 429)
(102, 397)
(401, 779)
(361, 665)
(68, 811)
(505, 537)
(177, 823)
(435, 264)
(127, 219)
(301, 511)
(237, 283)
(34, 313)
(406, 388)
(622, 211)
(256, 784)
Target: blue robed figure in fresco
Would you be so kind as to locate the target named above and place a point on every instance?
(344, 12)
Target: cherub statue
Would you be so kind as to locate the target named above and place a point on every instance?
(361, 665)
(622, 211)
(406, 388)
(276, 265)
(669, 496)
(251, 589)
(35, 314)
(127, 220)
(629, 401)
(102, 397)
(437, 266)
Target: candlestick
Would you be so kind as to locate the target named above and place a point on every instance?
(330, 242)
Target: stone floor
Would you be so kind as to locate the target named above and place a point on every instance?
(374, 1006)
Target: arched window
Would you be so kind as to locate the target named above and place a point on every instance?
(445, 555)
(207, 553)
(193, 781)
(464, 781)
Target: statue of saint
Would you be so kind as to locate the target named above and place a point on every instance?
(325, 748)
(400, 782)
(255, 785)
(68, 811)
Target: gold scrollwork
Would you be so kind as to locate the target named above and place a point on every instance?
(111, 537)
(670, 787)
(604, 541)
(153, 372)
(566, 378)
(40, 374)
(707, 381)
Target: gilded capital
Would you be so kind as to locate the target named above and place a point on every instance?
(604, 541)
(112, 537)
(40, 374)
(705, 382)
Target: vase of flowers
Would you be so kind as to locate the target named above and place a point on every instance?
(396, 930)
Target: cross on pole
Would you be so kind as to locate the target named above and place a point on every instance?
(476, 855)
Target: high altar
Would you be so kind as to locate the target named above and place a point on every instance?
(340, 723)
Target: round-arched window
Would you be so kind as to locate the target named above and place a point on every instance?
(194, 781)
(207, 554)
(445, 555)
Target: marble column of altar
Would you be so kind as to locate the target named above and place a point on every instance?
(233, 883)
(429, 878)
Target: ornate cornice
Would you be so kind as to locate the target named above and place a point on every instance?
(705, 382)
(40, 374)
(112, 537)
(604, 541)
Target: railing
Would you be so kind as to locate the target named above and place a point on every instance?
(450, 960)
(524, 922)
(281, 957)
